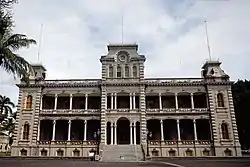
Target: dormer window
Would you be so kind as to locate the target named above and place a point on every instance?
(126, 71)
(134, 71)
(111, 71)
(119, 72)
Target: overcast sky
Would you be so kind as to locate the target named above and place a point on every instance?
(170, 33)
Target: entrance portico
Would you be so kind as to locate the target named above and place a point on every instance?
(123, 132)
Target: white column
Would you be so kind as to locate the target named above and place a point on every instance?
(131, 133)
(85, 130)
(115, 129)
(133, 100)
(162, 132)
(134, 133)
(115, 100)
(41, 103)
(176, 101)
(38, 131)
(130, 101)
(192, 100)
(54, 130)
(55, 105)
(160, 102)
(112, 101)
(86, 101)
(195, 132)
(70, 101)
(178, 129)
(69, 130)
(112, 134)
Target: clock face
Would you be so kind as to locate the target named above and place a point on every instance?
(122, 57)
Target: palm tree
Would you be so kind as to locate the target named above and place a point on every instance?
(8, 125)
(6, 107)
(9, 43)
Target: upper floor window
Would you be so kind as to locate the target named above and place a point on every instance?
(28, 103)
(26, 129)
(126, 71)
(224, 130)
(134, 71)
(220, 100)
(111, 71)
(119, 71)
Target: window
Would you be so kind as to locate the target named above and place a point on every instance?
(228, 152)
(44, 153)
(28, 103)
(172, 153)
(111, 71)
(127, 71)
(220, 100)
(76, 153)
(23, 152)
(60, 153)
(26, 129)
(224, 130)
(119, 71)
(206, 152)
(134, 71)
(189, 153)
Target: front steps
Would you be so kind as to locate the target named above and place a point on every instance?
(120, 153)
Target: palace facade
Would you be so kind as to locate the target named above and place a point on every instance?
(155, 116)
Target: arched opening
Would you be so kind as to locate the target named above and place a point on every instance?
(44, 152)
(127, 71)
(76, 153)
(172, 153)
(123, 131)
(206, 152)
(119, 72)
(187, 129)
(24, 152)
(170, 133)
(228, 152)
(155, 153)
(26, 129)
(28, 104)
(46, 128)
(111, 71)
(134, 71)
(189, 153)
(108, 133)
(138, 133)
(154, 127)
(59, 153)
(220, 100)
(224, 130)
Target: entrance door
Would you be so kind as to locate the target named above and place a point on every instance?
(123, 131)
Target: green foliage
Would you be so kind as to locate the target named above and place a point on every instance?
(10, 61)
(6, 107)
(241, 96)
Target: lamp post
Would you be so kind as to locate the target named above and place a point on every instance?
(149, 136)
(97, 138)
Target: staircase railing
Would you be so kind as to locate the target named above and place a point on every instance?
(143, 153)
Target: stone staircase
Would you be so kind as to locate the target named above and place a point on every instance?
(119, 153)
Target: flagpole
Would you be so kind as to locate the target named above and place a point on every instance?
(40, 40)
(208, 45)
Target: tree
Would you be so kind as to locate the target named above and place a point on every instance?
(10, 61)
(6, 107)
(9, 126)
(241, 96)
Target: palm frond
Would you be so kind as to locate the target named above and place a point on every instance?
(17, 41)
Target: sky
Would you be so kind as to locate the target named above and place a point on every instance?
(170, 33)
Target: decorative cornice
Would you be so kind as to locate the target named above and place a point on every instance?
(146, 82)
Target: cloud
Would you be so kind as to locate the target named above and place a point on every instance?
(171, 34)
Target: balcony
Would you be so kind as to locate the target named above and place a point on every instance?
(180, 110)
(68, 111)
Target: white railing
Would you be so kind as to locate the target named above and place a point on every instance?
(72, 81)
(173, 80)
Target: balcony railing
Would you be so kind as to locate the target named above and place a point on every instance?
(124, 110)
(180, 142)
(71, 81)
(65, 142)
(173, 110)
(68, 111)
(173, 80)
